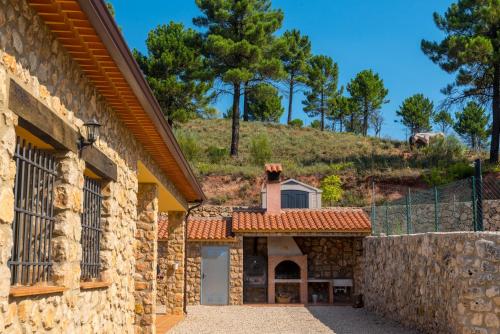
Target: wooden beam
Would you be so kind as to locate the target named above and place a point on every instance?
(99, 163)
(40, 120)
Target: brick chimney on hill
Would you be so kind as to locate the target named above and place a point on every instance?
(273, 188)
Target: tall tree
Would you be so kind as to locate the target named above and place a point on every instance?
(264, 103)
(416, 112)
(295, 51)
(377, 120)
(272, 70)
(472, 125)
(443, 120)
(339, 107)
(471, 49)
(322, 81)
(175, 69)
(368, 95)
(238, 32)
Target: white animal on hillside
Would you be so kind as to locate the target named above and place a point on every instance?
(424, 138)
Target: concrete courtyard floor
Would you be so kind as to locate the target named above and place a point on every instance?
(271, 319)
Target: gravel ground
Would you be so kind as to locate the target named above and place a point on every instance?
(290, 320)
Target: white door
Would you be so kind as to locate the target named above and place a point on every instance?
(214, 275)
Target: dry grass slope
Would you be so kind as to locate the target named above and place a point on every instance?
(307, 154)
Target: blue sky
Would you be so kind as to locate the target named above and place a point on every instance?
(383, 35)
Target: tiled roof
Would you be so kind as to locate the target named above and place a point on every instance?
(210, 229)
(273, 168)
(304, 220)
(217, 229)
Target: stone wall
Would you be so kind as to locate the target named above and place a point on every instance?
(334, 257)
(436, 282)
(31, 55)
(216, 211)
(235, 271)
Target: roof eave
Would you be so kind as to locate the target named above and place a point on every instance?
(108, 31)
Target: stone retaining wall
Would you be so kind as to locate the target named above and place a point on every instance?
(436, 282)
(217, 211)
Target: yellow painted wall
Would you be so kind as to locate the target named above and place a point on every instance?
(166, 201)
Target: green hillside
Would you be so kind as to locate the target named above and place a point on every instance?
(307, 154)
(302, 151)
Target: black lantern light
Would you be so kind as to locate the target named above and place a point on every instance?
(92, 129)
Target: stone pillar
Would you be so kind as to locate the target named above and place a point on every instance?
(236, 273)
(146, 237)
(175, 263)
(68, 205)
(7, 176)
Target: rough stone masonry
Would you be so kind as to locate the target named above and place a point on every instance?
(436, 282)
(32, 56)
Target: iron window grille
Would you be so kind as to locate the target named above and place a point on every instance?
(91, 230)
(30, 260)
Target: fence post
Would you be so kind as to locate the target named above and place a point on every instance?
(374, 209)
(474, 204)
(386, 220)
(479, 195)
(408, 212)
(436, 210)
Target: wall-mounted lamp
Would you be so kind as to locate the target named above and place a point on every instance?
(92, 129)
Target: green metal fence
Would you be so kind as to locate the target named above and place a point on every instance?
(457, 206)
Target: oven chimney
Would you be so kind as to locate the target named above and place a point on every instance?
(273, 188)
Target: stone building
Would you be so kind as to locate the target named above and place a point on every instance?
(79, 207)
(279, 253)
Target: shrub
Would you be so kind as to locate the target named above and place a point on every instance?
(439, 176)
(443, 150)
(216, 154)
(332, 188)
(297, 123)
(316, 124)
(260, 150)
(337, 167)
(189, 145)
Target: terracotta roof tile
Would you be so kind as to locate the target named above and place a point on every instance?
(273, 168)
(216, 229)
(324, 220)
(162, 227)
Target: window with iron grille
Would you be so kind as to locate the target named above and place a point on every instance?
(30, 260)
(91, 229)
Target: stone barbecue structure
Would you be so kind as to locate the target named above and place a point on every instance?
(78, 222)
(273, 254)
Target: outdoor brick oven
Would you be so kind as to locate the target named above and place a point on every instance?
(287, 269)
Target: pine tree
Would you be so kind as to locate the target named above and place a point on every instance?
(472, 125)
(368, 95)
(443, 120)
(176, 72)
(237, 37)
(416, 112)
(264, 103)
(471, 49)
(322, 81)
(295, 51)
